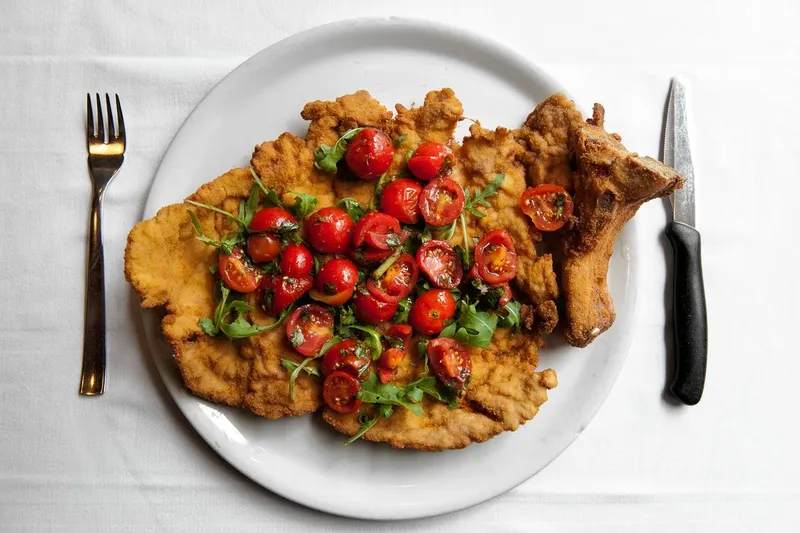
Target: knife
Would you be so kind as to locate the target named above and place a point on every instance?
(689, 301)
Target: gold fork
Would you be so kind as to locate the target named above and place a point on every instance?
(106, 155)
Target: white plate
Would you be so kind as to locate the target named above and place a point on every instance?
(301, 458)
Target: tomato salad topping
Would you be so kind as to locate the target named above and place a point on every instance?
(362, 287)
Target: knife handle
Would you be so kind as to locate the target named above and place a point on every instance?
(689, 309)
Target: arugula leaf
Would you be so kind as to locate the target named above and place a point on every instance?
(381, 184)
(471, 326)
(397, 141)
(291, 366)
(217, 210)
(271, 195)
(304, 365)
(381, 270)
(239, 327)
(214, 269)
(250, 207)
(372, 391)
(373, 340)
(403, 309)
(384, 411)
(463, 256)
(429, 386)
(229, 240)
(479, 197)
(304, 204)
(354, 209)
(326, 157)
(509, 315)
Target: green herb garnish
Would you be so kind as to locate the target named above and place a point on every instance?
(509, 315)
(354, 209)
(239, 328)
(304, 204)
(471, 326)
(304, 365)
(397, 141)
(326, 157)
(373, 340)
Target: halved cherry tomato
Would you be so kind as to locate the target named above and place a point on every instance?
(348, 355)
(273, 220)
(263, 247)
(296, 261)
(378, 230)
(495, 257)
(308, 328)
(388, 363)
(450, 361)
(402, 332)
(369, 153)
(328, 230)
(367, 254)
(371, 310)
(401, 200)
(441, 202)
(430, 161)
(397, 282)
(280, 291)
(549, 206)
(238, 272)
(439, 263)
(335, 282)
(340, 392)
(431, 311)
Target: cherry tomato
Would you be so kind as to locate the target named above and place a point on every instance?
(335, 282)
(401, 200)
(308, 328)
(340, 392)
(369, 153)
(336, 275)
(371, 310)
(378, 230)
(280, 291)
(439, 263)
(441, 202)
(328, 230)
(430, 161)
(273, 220)
(431, 311)
(397, 282)
(549, 206)
(348, 355)
(450, 361)
(367, 254)
(238, 272)
(388, 363)
(495, 257)
(263, 247)
(401, 332)
(296, 261)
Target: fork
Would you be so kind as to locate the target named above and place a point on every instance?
(106, 155)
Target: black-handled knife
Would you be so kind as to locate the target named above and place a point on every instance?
(689, 300)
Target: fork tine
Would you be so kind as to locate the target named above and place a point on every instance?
(111, 134)
(120, 120)
(89, 117)
(101, 132)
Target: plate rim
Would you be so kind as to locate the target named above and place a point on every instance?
(149, 316)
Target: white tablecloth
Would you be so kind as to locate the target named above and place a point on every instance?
(129, 461)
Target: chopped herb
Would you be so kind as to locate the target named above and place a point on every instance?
(397, 141)
(463, 257)
(347, 318)
(214, 269)
(272, 268)
(297, 338)
(393, 240)
(354, 209)
(559, 203)
(326, 157)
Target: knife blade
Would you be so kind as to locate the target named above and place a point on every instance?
(689, 303)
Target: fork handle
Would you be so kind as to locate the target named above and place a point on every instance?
(93, 372)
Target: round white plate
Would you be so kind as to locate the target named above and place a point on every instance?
(302, 459)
